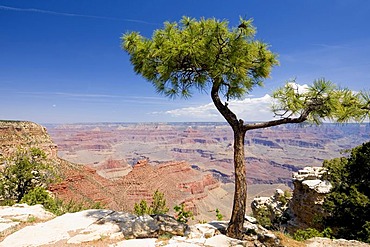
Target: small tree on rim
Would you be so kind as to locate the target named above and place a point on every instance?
(207, 55)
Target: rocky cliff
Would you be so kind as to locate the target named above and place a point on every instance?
(308, 196)
(22, 134)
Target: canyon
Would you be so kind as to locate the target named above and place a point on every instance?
(272, 154)
(119, 164)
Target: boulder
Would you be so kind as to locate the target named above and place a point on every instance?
(169, 225)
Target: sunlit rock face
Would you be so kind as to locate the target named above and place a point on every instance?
(16, 135)
(308, 196)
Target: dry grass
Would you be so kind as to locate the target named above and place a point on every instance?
(288, 241)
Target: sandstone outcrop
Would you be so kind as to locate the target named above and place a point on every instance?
(303, 208)
(308, 196)
(23, 134)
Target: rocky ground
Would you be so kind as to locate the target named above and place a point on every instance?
(23, 225)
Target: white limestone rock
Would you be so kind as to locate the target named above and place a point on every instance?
(55, 230)
(322, 187)
(11, 217)
(22, 212)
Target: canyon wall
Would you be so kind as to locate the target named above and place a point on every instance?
(22, 134)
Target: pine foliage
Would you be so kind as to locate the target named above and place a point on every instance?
(348, 204)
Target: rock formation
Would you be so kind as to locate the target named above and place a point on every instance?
(23, 134)
(271, 154)
(304, 208)
(308, 196)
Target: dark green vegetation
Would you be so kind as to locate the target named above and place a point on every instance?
(25, 178)
(207, 55)
(348, 203)
(308, 233)
(182, 215)
(27, 170)
(269, 218)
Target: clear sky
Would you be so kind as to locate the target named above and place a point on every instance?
(61, 61)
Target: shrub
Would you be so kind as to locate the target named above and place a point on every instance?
(347, 206)
(158, 205)
(308, 233)
(182, 215)
(55, 205)
(262, 216)
(39, 195)
(22, 173)
(142, 208)
(219, 216)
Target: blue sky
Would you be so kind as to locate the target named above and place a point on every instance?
(61, 61)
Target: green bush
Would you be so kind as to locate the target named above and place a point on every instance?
(219, 216)
(158, 205)
(262, 216)
(142, 208)
(39, 195)
(182, 215)
(24, 172)
(347, 206)
(308, 233)
(55, 205)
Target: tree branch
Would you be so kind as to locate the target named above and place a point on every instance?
(223, 108)
(300, 119)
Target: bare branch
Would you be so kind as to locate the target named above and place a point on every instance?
(272, 123)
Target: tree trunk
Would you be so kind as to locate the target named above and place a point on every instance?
(235, 228)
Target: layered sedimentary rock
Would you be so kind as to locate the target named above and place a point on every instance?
(177, 180)
(16, 135)
(271, 154)
(308, 196)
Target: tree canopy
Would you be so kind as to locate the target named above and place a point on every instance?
(193, 54)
